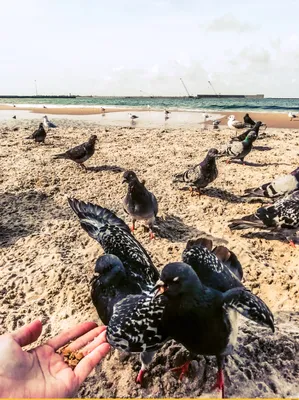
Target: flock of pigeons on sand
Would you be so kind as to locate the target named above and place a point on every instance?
(197, 300)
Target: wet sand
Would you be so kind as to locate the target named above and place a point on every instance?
(272, 120)
(47, 260)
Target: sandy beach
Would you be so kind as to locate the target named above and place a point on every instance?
(47, 260)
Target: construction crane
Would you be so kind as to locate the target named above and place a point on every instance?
(210, 83)
(185, 87)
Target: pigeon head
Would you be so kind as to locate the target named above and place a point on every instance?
(45, 117)
(212, 153)
(246, 115)
(258, 124)
(129, 176)
(109, 269)
(41, 125)
(177, 279)
(93, 138)
(231, 117)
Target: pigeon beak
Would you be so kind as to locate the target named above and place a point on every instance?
(124, 181)
(159, 288)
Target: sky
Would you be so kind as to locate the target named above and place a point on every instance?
(137, 47)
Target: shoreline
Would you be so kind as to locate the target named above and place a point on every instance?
(271, 119)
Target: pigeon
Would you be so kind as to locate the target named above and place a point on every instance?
(201, 318)
(292, 115)
(248, 120)
(239, 150)
(48, 124)
(216, 124)
(126, 271)
(243, 135)
(39, 135)
(140, 203)
(278, 187)
(80, 153)
(234, 124)
(283, 216)
(14, 117)
(166, 112)
(103, 110)
(44, 107)
(218, 268)
(201, 175)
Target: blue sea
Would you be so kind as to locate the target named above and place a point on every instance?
(179, 103)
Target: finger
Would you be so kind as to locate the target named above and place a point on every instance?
(64, 337)
(28, 333)
(87, 364)
(97, 341)
(85, 339)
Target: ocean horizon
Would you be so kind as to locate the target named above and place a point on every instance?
(280, 105)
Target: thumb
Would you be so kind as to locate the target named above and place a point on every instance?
(28, 333)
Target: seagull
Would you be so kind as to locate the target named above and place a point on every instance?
(292, 115)
(44, 107)
(140, 203)
(243, 135)
(201, 175)
(234, 124)
(280, 186)
(239, 150)
(103, 110)
(248, 120)
(282, 216)
(166, 112)
(14, 105)
(124, 274)
(48, 124)
(133, 117)
(80, 153)
(39, 135)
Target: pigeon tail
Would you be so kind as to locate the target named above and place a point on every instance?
(93, 217)
(61, 155)
(249, 305)
(250, 221)
(178, 178)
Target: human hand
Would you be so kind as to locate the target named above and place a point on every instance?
(41, 372)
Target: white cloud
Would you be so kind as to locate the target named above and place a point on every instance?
(229, 23)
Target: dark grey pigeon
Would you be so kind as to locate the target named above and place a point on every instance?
(80, 153)
(278, 187)
(202, 174)
(139, 203)
(125, 272)
(282, 216)
(39, 135)
(243, 135)
(239, 150)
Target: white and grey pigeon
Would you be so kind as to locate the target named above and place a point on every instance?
(123, 281)
(238, 150)
(202, 174)
(280, 186)
(139, 202)
(234, 124)
(48, 124)
(292, 115)
(282, 217)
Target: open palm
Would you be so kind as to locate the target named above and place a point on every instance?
(41, 372)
